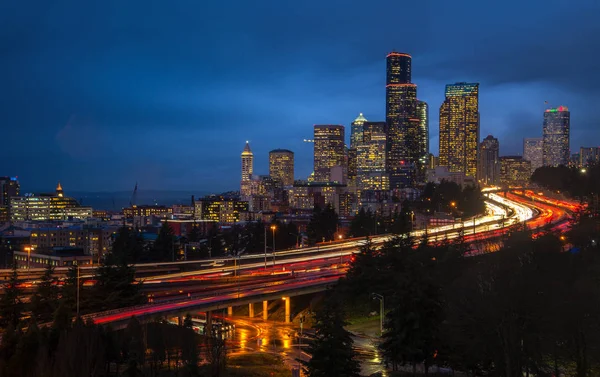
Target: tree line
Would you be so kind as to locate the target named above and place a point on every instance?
(530, 309)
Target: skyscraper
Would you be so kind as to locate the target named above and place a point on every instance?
(402, 122)
(423, 115)
(371, 158)
(556, 136)
(488, 171)
(514, 170)
(9, 186)
(328, 151)
(587, 156)
(459, 128)
(247, 170)
(533, 148)
(356, 130)
(281, 166)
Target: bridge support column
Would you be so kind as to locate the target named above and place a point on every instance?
(265, 310)
(229, 311)
(251, 310)
(208, 331)
(288, 303)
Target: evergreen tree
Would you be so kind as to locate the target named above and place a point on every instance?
(195, 234)
(11, 307)
(127, 248)
(164, 247)
(323, 224)
(44, 301)
(331, 351)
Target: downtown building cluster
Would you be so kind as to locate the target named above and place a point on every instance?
(387, 161)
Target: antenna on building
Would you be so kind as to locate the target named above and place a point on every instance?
(133, 200)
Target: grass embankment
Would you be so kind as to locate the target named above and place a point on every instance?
(368, 326)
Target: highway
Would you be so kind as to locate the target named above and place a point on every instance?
(300, 271)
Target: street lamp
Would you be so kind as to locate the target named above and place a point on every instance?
(381, 309)
(273, 227)
(340, 238)
(28, 250)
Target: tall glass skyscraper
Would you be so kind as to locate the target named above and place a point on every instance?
(371, 158)
(281, 166)
(423, 115)
(247, 170)
(356, 130)
(556, 136)
(459, 128)
(402, 121)
(489, 162)
(533, 151)
(329, 151)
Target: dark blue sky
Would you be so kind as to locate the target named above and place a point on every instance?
(102, 94)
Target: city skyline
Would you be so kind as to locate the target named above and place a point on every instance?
(145, 111)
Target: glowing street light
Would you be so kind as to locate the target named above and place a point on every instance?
(28, 250)
(273, 228)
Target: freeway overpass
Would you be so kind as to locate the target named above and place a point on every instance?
(503, 213)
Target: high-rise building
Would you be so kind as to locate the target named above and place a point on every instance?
(514, 170)
(329, 148)
(589, 156)
(423, 115)
(45, 207)
(247, 170)
(402, 121)
(9, 186)
(459, 128)
(556, 136)
(371, 158)
(533, 151)
(281, 166)
(488, 170)
(356, 130)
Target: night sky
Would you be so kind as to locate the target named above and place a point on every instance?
(102, 94)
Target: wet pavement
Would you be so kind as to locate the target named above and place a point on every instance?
(253, 335)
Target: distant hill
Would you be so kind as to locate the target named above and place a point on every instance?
(119, 199)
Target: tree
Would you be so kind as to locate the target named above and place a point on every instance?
(11, 307)
(331, 351)
(323, 224)
(127, 248)
(164, 247)
(115, 288)
(195, 234)
(44, 301)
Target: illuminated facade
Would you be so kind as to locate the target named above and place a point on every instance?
(147, 211)
(459, 128)
(533, 151)
(371, 158)
(93, 241)
(329, 148)
(489, 162)
(247, 170)
(356, 131)
(9, 187)
(556, 136)
(47, 207)
(281, 166)
(423, 115)
(589, 156)
(352, 155)
(220, 209)
(403, 136)
(514, 171)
